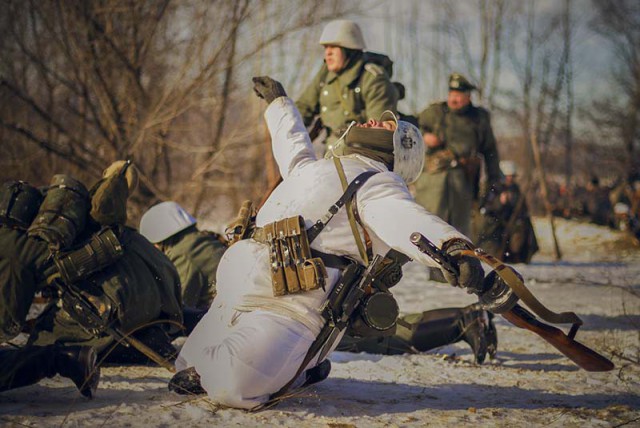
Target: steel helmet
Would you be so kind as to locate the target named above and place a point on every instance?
(508, 167)
(408, 148)
(164, 220)
(343, 33)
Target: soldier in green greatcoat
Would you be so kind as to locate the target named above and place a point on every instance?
(76, 237)
(456, 135)
(195, 254)
(350, 86)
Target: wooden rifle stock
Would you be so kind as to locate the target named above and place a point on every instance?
(586, 358)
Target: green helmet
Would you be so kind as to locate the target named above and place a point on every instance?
(457, 82)
(343, 33)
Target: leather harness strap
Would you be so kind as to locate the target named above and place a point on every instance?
(517, 285)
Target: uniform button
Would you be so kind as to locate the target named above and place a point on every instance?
(344, 96)
(346, 113)
(325, 92)
(357, 89)
(324, 108)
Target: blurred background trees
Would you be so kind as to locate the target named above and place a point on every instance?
(167, 84)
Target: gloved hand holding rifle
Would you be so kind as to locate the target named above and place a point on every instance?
(499, 293)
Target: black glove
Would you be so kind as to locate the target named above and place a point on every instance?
(267, 88)
(471, 272)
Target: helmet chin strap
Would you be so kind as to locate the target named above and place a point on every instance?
(339, 141)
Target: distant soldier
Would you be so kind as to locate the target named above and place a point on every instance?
(596, 203)
(506, 230)
(350, 86)
(456, 133)
(103, 277)
(195, 254)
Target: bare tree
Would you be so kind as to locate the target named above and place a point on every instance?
(477, 34)
(83, 83)
(618, 22)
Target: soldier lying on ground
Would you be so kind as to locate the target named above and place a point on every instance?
(261, 335)
(196, 255)
(74, 243)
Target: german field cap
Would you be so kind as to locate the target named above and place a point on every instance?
(457, 82)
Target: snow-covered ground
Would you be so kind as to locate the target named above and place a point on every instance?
(528, 384)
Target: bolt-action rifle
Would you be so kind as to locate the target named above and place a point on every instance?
(583, 356)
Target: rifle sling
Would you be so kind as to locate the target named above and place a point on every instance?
(515, 283)
(348, 194)
(352, 219)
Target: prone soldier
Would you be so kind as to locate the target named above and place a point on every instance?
(107, 281)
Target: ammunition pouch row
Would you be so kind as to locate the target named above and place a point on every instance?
(293, 268)
(63, 213)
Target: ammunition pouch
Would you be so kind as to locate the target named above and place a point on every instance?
(293, 268)
(63, 213)
(243, 225)
(102, 250)
(19, 203)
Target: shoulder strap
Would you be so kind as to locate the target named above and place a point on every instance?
(348, 194)
(352, 220)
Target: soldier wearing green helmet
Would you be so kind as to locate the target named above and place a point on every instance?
(350, 86)
(457, 135)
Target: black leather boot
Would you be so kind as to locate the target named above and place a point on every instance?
(318, 373)
(185, 382)
(78, 363)
(479, 332)
(25, 366)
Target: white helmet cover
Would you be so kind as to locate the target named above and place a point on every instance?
(344, 33)
(408, 149)
(508, 167)
(164, 220)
